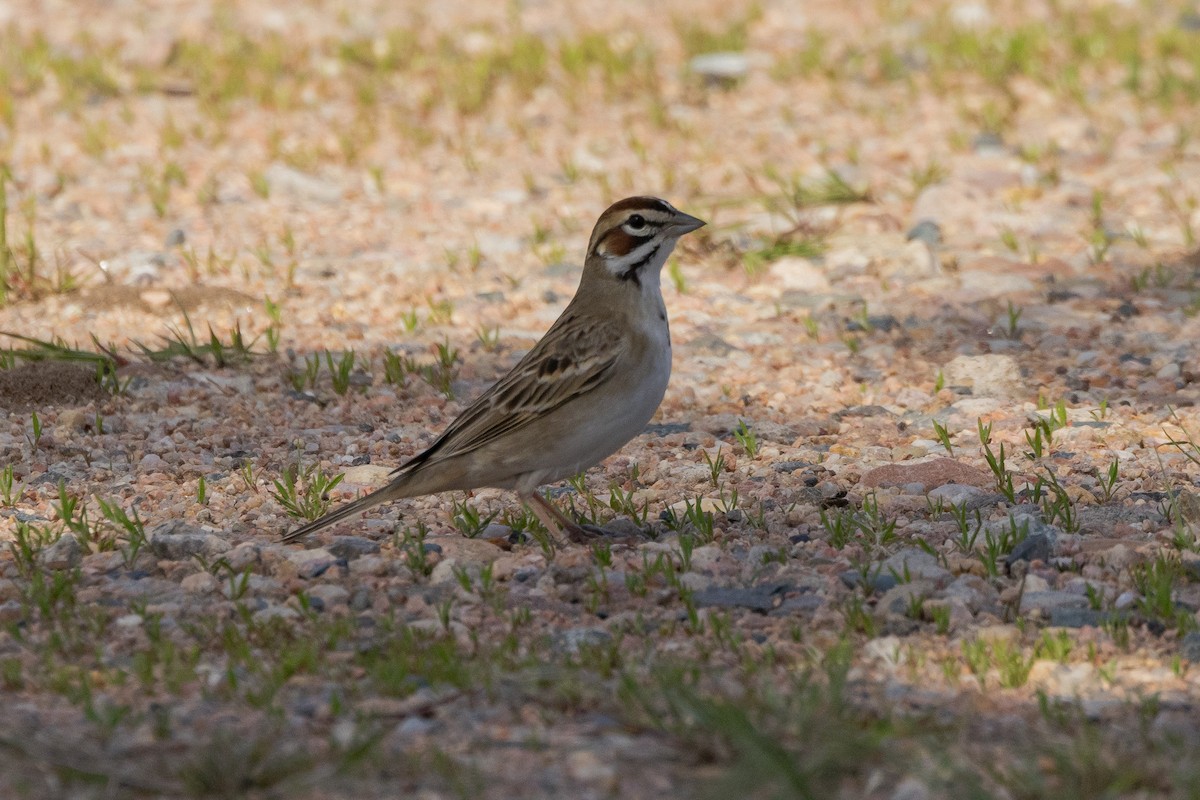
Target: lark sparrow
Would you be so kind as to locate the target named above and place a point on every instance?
(589, 386)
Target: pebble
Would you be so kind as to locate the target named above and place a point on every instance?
(178, 540)
(64, 553)
(758, 598)
(311, 563)
(1039, 547)
(927, 231)
(720, 68)
(915, 563)
(927, 475)
(330, 594)
(352, 547)
(1047, 601)
(199, 583)
(1189, 647)
(1081, 617)
(986, 376)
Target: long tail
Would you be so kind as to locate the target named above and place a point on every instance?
(392, 491)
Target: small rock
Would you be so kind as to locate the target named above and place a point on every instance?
(199, 583)
(76, 419)
(312, 563)
(1048, 601)
(926, 231)
(370, 565)
(1189, 646)
(929, 474)
(11, 611)
(415, 725)
(987, 375)
(62, 554)
(246, 555)
(444, 572)
(1032, 548)
(798, 274)
(330, 594)
(178, 540)
(1036, 583)
(758, 598)
(897, 601)
(624, 527)
(1079, 617)
(987, 142)
(961, 495)
(275, 611)
(1168, 372)
(1126, 600)
(361, 599)
(352, 547)
(910, 788)
(495, 531)
(915, 563)
(974, 592)
(878, 581)
(725, 68)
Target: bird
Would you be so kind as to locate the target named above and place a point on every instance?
(588, 386)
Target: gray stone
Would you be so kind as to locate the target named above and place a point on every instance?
(756, 598)
(623, 527)
(915, 563)
(330, 594)
(720, 68)
(897, 601)
(1048, 602)
(178, 540)
(878, 581)
(1033, 548)
(1189, 646)
(926, 231)
(351, 547)
(972, 591)
(312, 563)
(62, 554)
(361, 599)
(495, 530)
(1077, 617)
(910, 788)
(963, 496)
(801, 604)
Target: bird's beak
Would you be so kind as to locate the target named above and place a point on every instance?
(685, 223)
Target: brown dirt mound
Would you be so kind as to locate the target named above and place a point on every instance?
(43, 383)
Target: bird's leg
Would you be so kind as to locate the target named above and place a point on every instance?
(555, 521)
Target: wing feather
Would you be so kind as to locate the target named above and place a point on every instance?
(575, 356)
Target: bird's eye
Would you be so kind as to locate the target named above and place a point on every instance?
(636, 223)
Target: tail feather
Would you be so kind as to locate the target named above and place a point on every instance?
(389, 492)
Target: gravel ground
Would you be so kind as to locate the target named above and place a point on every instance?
(918, 516)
